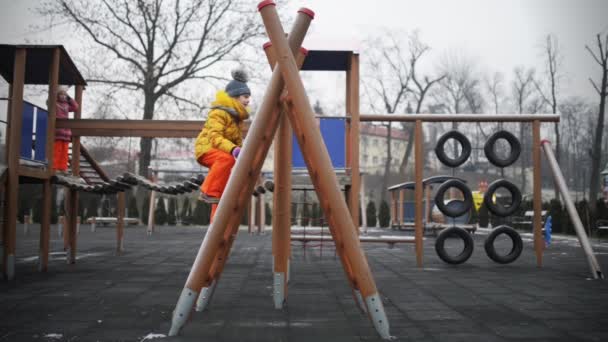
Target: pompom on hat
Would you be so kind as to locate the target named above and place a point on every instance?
(238, 85)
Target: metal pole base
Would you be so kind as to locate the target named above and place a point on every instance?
(10, 267)
(360, 302)
(205, 297)
(279, 290)
(377, 315)
(182, 310)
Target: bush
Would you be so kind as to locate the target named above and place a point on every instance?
(145, 209)
(171, 212)
(268, 214)
(133, 212)
(160, 214)
(201, 213)
(370, 211)
(185, 214)
(385, 214)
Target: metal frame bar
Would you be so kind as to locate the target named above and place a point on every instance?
(560, 182)
(461, 117)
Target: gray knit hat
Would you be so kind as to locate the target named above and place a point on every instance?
(238, 86)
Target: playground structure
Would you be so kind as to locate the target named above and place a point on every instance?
(280, 109)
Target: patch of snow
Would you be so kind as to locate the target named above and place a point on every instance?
(152, 336)
(54, 336)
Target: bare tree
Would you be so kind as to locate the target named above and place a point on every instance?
(388, 81)
(460, 81)
(494, 88)
(549, 96)
(419, 91)
(573, 112)
(601, 57)
(521, 88)
(150, 48)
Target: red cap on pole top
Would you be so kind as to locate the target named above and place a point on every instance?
(307, 11)
(544, 141)
(267, 45)
(304, 51)
(265, 3)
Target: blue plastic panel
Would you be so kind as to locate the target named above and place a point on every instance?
(42, 119)
(333, 131)
(27, 127)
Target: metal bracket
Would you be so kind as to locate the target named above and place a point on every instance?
(360, 302)
(377, 315)
(204, 297)
(279, 290)
(182, 310)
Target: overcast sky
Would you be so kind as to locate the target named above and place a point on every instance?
(498, 34)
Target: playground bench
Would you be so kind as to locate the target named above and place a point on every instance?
(599, 226)
(111, 220)
(390, 239)
(527, 219)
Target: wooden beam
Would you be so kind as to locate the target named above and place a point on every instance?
(461, 117)
(418, 190)
(352, 136)
(13, 151)
(539, 244)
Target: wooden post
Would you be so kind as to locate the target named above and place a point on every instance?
(45, 226)
(13, 149)
(321, 170)
(400, 207)
(251, 210)
(72, 206)
(240, 185)
(352, 137)
(539, 244)
(418, 189)
(120, 224)
(152, 206)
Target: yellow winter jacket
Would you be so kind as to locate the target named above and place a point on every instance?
(222, 129)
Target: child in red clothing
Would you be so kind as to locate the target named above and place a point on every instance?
(63, 136)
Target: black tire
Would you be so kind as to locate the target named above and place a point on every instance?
(454, 210)
(491, 154)
(440, 149)
(516, 250)
(457, 232)
(498, 209)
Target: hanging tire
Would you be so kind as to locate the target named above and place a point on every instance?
(440, 149)
(516, 250)
(491, 154)
(454, 232)
(454, 209)
(499, 209)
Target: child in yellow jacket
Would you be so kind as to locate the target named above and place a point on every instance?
(219, 143)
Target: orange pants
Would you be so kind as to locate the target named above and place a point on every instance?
(220, 164)
(60, 155)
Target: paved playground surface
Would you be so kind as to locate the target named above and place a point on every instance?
(130, 297)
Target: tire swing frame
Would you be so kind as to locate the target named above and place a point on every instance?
(513, 142)
(497, 209)
(464, 236)
(516, 250)
(464, 143)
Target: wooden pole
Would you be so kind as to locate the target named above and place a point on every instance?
(418, 189)
(12, 181)
(321, 170)
(45, 226)
(539, 244)
(120, 223)
(73, 197)
(240, 186)
(352, 136)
